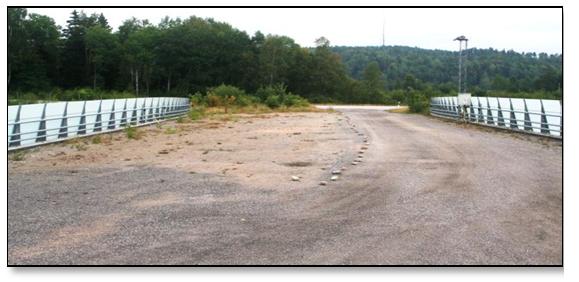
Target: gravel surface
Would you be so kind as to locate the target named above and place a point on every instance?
(427, 192)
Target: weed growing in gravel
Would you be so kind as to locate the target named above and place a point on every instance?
(196, 112)
(132, 132)
(96, 140)
(170, 130)
(79, 146)
(17, 156)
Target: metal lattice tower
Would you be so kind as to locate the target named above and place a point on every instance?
(462, 63)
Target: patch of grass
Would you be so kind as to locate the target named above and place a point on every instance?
(17, 156)
(180, 119)
(170, 130)
(132, 132)
(96, 140)
(196, 113)
(79, 146)
(401, 110)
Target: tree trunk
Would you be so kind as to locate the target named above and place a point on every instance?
(137, 82)
(94, 78)
(132, 77)
(169, 83)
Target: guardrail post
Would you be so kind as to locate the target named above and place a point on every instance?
(150, 116)
(134, 113)
(15, 138)
(124, 115)
(112, 121)
(512, 117)
(544, 123)
(98, 125)
(490, 119)
(82, 122)
(41, 136)
(472, 115)
(157, 108)
(143, 118)
(561, 120)
(501, 120)
(528, 124)
(64, 123)
(481, 116)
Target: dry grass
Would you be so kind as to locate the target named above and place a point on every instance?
(401, 110)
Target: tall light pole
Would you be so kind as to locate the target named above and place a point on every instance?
(461, 64)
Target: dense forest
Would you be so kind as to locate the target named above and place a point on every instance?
(86, 59)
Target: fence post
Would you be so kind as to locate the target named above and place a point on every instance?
(157, 108)
(64, 123)
(82, 122)
(98, 125)
(501, 120)
(143, 118)
(512, 116)
(112, 122)
(15, 138)
(134, 113)
(124, 115)
(41, 136)
(544, 123)
(481, 116)
(528, 124)
(561, 119)
(150, 116)
(490, 119)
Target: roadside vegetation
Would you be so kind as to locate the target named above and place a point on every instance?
(227, 68)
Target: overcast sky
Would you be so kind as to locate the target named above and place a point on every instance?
(520, 29)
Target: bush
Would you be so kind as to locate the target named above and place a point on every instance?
(214, 100)
(417, 102)
(197, 99)
(226, 91)
(196, 113)
(291, 100)
(273, 101)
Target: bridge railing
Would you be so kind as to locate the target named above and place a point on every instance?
(536, 116)
(35, 124)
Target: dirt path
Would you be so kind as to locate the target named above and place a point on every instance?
(426, 192)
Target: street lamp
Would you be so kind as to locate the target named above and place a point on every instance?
(463, 98)
(460, 40)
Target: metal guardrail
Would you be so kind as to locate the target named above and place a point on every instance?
(35, 124)
(536, 116)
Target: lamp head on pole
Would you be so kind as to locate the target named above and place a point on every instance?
(461, 38)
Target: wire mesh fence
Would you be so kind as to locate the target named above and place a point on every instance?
(35, 124)
(537, 116)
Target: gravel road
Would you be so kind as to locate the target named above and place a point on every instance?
(426, 191)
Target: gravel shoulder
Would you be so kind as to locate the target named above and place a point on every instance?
(425, 191)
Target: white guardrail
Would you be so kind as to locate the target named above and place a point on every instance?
(35, 124)
(536, 116)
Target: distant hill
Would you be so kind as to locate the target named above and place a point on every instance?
(488, 69)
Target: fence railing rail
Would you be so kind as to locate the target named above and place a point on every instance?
(536, 116)
(35, 124)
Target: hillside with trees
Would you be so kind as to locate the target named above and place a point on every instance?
(86, 59)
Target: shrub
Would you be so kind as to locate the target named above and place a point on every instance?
(273, 101)
(417, 102)
(214, 100)
(196, 99)
(196, 113)
(291, 100)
